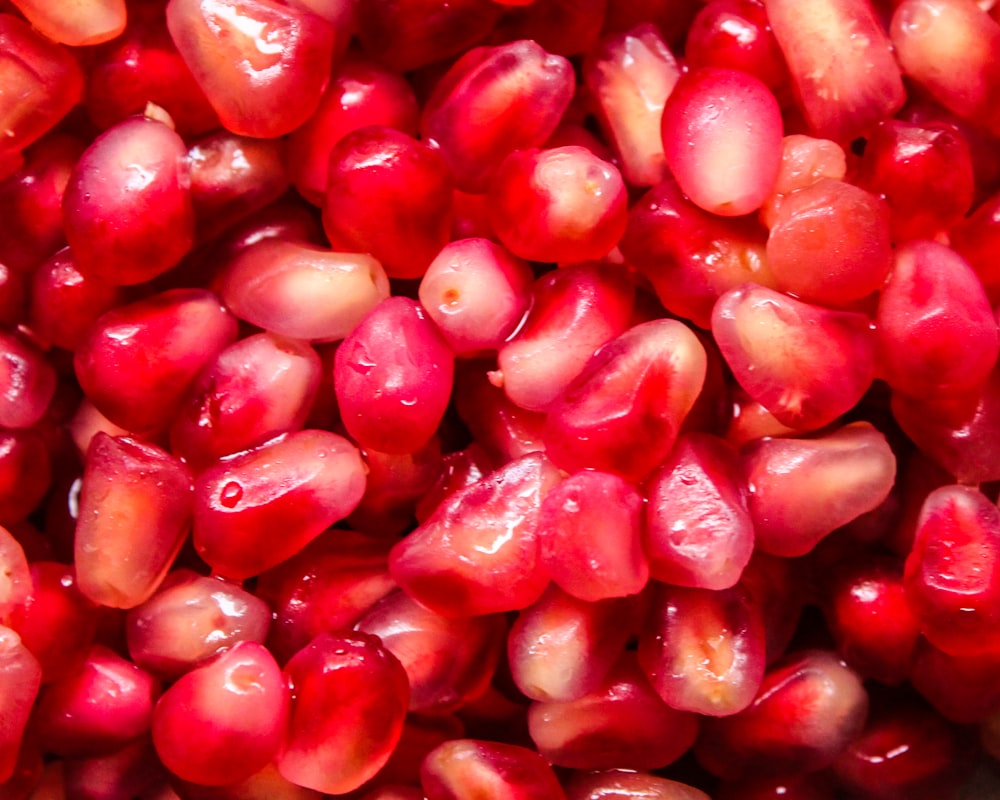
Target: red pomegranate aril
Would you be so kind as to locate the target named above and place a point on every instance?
(327, 586)
(406, 34)
(841, 62)
(903, 161)
(256, 389)
(341, 733)
(625, 785)
(905, 751)
(85, 23)
(830, 243)
(265, 784)
(224, 721)
(393, 376)
(15, 577)
(946, 47)
(561, 205)
(564, 27)
(233, 176)
(361, 92)
(689, 256)
(956, 432)
(631, 74)
(135, 512)
(27, 382)
(803, 489)
(698, 530)
(478, 553)
(623, 413)
(395, 483)
(810, 707)
(464, 768)
(573, 312)
(254, 511)
(736, 34)
(302, 291)
(448, 661)
(975, 239)
(703, 650)
(20, 678)
(57, 623)
(97, 710)
(13, 296)
(805, 364)
(561, 648)
(127, 208)
(191, 618)
(477, 293)
(139, 359)
(33, 66)
(722, 134)
(805, 161)
(65, 303)
(389, 195)
(621, 724)
(493, 101)
(459, 470)
(868, 615)
(952, 574)
(501, 428)
(262, 64)
(590, 540)
(31, 202)
(143, 66)
(936, 332)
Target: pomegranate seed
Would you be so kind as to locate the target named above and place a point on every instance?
(256, 389)
(573, 312)
(631, 75)
(224, 721)
(493, 101)
(623, 723)
(447, 661)
(562, 648)
(301, 483)
(125, 774)
(836, 478)
(138, 360)
(590, 537)
(97, 710)
(720, 170)
(191, 618)
(467, 767)
(135, 512)
(961, 688)
(302, 291)
(943, 45)
(953, 571)
(500, 427)
(389, 195)
(87, 23)
(841, 62)
(263, 65)
(703, 650)
(622, 414)
(27, 382)
(393, 376)
(462, 562)
(340, 735)
(21, 676)
(810, 707)
(811, 786)
(698, 529)
(562, 205)
(127, 208)
(36, 67)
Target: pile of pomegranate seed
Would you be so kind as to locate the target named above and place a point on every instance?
(499, 399)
